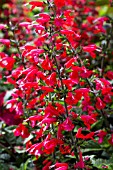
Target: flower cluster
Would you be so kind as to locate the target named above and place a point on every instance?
(62, 90)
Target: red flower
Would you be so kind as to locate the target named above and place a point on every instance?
(106, 90)
(22, 131)
(51, 111)
(2, 95)
(51, 80)
(49, 145)
(5, 42)
(65, 149)
(26, 25)
(7, 62)
(101, 134)
(34, 119)
(48, 120)
(36, 4)
(71, 34)
(59, 3)
(9, 117)
(39, 28)
(88, 120)
(58, 22)
(39, 133)
(111, 140)
(109, 74)
(48, 163)
(100, 104)
(69, 83)
(47, 64)
(91, 48)
(74, 75)
(59, 132)
(81, 136)
(2, 26)
(71, 99)
(47, 89)
(71, 62)
(36, 149)
(67, 125)
(61, 166)
(44, 18)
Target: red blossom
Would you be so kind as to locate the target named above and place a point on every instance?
(58, 22)
(3, 26)
(101, 134)
(67, 125)
(44, 18)
(71, 62)
(22, 131)
(70, 32)
(9, 117)
(70, 99)
(51, 80)
(109, 74)
(24, 24)
(47, 89)
(39, 133)
(36, 149)
(59, 132)
(59, 4)
(46, 167)
(5, 42)
(7, 62)
(91, 48)
(47, 64)
(111, 140)
(2, 95)
(36, 4)
(106, 90)
(64, 149)
(38, 28)
(61, 166)
(80, 135)
(88, 120)
(49, 145)
(100, 104)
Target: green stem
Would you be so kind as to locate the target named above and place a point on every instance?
(17, 44)
(62, 85)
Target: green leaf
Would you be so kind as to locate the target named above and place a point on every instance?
(20, 150)
(28, 165)
(4, 166)
(97, 125)
(10, 128)
(101, 2)
(5, 156)
(10, 138)
(27, 139)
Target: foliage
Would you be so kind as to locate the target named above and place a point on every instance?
(56, 72)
